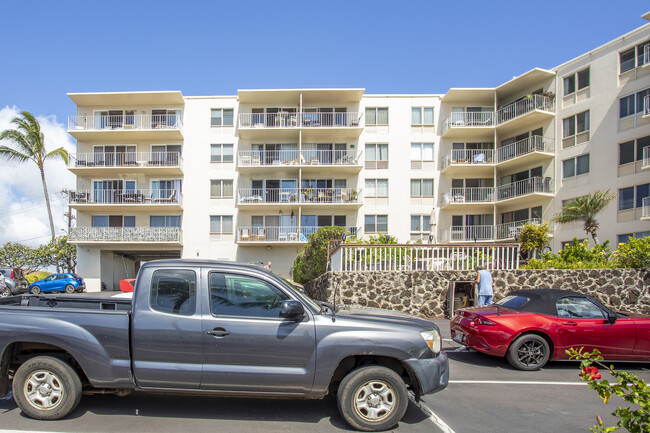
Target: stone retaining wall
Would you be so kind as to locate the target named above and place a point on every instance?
(424, 293)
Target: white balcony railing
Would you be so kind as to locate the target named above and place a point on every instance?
(126, 159)
(125, 234)
(301, 195)
(524, 106)
(469, 119)
(468, 156)
(535, 143)
(645, 210)
(523, 187)
(125, 196)
(362, 258)
(511, 230)
(646, 55)
(125, 122)
(279, 234)
(469, 195)
(646, 157)
(256, 158)
(471, 233)
(303, 120)
(646, 101)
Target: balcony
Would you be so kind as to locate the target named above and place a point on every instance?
(468, 197)
(115, 163)
(645, 210)
(525, 113)
(462, 160)
(529, 150)
(470, 233)
(509, 231)
(332, 125)
(114, 199)
(261, 161)
(125, 235)
(468, 124)
(135, 127)
(278, 235)
(646, 157)
(532, 189)
(289, 197)
(646, 101)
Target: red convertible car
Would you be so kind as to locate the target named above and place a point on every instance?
(531, 327)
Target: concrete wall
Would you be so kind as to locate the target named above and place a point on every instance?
(424, 293)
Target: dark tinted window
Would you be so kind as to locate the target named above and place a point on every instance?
(578, 308)
(173, 291)
(512, 301)
(241, 295)
(626, 153)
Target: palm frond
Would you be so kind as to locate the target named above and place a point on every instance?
(19, 140)
(13, 155)
(59, 153)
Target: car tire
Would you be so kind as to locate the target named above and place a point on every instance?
(45, 380)
(35, 290)
(372, 398)
(69, 288)
(528, 352)
(5, 292)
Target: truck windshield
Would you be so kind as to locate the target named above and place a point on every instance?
(303, 296)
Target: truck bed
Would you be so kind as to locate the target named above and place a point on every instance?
(67, 301)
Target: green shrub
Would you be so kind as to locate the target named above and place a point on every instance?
(311, 262)
(634, 254)
(534, 237)
(577, 255)
(36, 276)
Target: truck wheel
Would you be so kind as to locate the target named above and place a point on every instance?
(35, 290)
(46, 388)
(69, 288)
(372, 398)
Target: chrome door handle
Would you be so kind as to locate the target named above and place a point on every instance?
(218, 332)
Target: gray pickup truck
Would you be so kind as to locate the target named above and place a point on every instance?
(207, 327)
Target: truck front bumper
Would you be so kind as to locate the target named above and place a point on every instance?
(432, 374)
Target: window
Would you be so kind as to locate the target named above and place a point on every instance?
(642, 191)
(221, 153)
(421, 116)
(575, 166)
(569, 84)
(578, 308)
(626, 198)
(244, 296)
(627, 152)
(165, 221)
(376, 115)
(633, 57)
(420, 223)
(421, 187)
(376, 188)
(221, 117)
(632, 104)
(581, 77)
(221, 188)
(576, 124)
(623, 239)
(113, 221)
(173, 291)
(376, 224)
(376, 155)
(220, 224)
(421, 151)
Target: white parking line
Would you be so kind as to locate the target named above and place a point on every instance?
(516, 382)
(435, 418)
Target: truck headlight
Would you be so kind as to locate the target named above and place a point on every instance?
(432, 338)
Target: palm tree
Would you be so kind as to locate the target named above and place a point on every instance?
(30, 146)
(585, 209)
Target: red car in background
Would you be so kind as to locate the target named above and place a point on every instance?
(531, 327)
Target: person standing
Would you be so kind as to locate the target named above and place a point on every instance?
(268, 266)
(484, 281)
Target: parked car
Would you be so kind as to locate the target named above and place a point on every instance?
(222, 328)
(15, 281)
(68, 282)
(531, 327)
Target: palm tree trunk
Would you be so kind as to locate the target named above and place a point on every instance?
(594, 237)
(49, 209)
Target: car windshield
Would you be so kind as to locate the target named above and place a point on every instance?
(303, 296)
(513, 301)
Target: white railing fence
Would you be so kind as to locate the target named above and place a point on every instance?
(294, 120)
(125, 234)
(281, 233)
(126, 159)
(303, 195)
(472, 195)
(255, 158)
(471, 233)
(124, 122)
(526, 105)
(125, 196)
(329, 157)
(645, 210)
(536, 143)
(359, 258)
(523, 187)
(646, 157)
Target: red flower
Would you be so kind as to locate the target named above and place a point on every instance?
(591, 373)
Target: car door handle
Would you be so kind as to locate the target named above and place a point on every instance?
(218, 332)
(570, 323)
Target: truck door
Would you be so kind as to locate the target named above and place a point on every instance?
(167, 337)
(247, 346)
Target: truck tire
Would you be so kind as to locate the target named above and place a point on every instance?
(69, 288)
(372, 398)
(46, 388)
(35, 290)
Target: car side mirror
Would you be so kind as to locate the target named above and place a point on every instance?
(292, 310)
(611, 318)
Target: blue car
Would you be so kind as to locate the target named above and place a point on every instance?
(69, 283)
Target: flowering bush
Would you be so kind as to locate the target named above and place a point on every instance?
(577, 255)
(635, 419)
(634, 254)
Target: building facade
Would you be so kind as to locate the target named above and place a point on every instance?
(249, 177)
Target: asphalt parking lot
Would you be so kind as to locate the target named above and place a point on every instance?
(484, 395)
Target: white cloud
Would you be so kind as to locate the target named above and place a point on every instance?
(23, 214)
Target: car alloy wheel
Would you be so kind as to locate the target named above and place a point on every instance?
(374, 401)
(529, 352)
(5, 292)
(69, 288)
(35, 290)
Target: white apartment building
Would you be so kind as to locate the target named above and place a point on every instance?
(249, 177)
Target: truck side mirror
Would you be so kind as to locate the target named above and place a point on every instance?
(292, 310)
